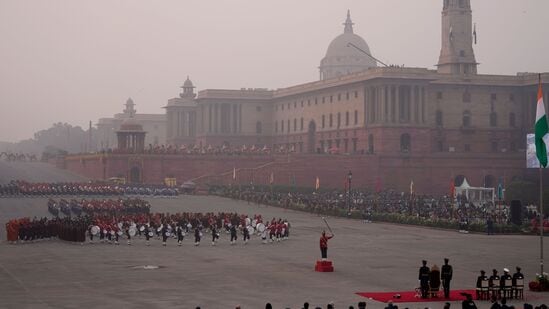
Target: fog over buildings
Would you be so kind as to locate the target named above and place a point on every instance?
(73, 61)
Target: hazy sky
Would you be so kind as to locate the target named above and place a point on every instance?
(75, 61)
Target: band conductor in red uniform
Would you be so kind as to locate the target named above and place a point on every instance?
(324, 245)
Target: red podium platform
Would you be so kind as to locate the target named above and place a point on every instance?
(324, 266)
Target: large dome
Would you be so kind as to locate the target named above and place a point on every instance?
(342, 58)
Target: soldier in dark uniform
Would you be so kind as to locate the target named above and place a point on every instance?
(233, 234)
(164, 234)
(246, 235)
(215, 234)
(424, 279)
(494, 281)
(480, 278)
(446, 276)
(180, 235)
(502, 279)
(468, 303)
(196, 236)
(517, 276)
(128, 236)
(147, 236)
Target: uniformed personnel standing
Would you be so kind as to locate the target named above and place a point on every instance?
(424, 279)
(446, 276)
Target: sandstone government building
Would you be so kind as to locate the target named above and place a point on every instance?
(388, 125)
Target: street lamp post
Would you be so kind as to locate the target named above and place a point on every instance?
(349, 179)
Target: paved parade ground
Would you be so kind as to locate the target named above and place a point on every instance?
(367, 258)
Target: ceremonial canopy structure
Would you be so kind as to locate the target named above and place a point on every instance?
(389, 125)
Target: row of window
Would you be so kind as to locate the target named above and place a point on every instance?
(494, 147)
(467, 119)
(331, 119)
(285, 126)
(405, 145)
(466, 97)
(315, 101)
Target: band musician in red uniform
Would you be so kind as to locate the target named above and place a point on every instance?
(324, 245)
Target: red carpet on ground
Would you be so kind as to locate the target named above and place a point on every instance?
(411, 296)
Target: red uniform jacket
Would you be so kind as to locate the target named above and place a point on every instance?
(324, 241)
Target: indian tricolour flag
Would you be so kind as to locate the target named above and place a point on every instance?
(541, 129)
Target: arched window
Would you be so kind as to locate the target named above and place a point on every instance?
(356, 117)
(331, 120)
(371, 143)
(512, 123)
(405, 143)
(301, 124)
(439, 121)
(338, 120)
(276, 126)
(258, 127)
(323, 121)
(346, 118)
(466, 121)
(295, 124)
(493, 119)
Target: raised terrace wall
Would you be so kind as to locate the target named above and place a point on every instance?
(430, 174)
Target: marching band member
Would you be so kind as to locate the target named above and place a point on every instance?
(128, 236)
(116, 234)
(279, 227)
(246, 235)
(272, 231)
(196, 236)
(264, 236)
(102, 234)
(90, 233)
(109, 235)
(147, 235)
(164, 234)
(180, 235)
(215, 234)
(233, 234)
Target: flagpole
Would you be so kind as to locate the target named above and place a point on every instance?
(541, 220)
(541, 205)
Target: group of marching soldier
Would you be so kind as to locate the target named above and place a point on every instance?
(178, 226)
(94, 206)
(22, 188)
(110, 229)
(31, 230)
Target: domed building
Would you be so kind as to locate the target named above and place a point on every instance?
(181, 116)
(341, 58)
(153, 124)
(131, 137)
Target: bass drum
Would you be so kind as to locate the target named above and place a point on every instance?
(251, 229)
(260, 227)
(132, 231)
(95, 230)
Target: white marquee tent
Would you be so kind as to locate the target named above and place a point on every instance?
(475, 194)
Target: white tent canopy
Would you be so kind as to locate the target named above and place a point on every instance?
(475, 194)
